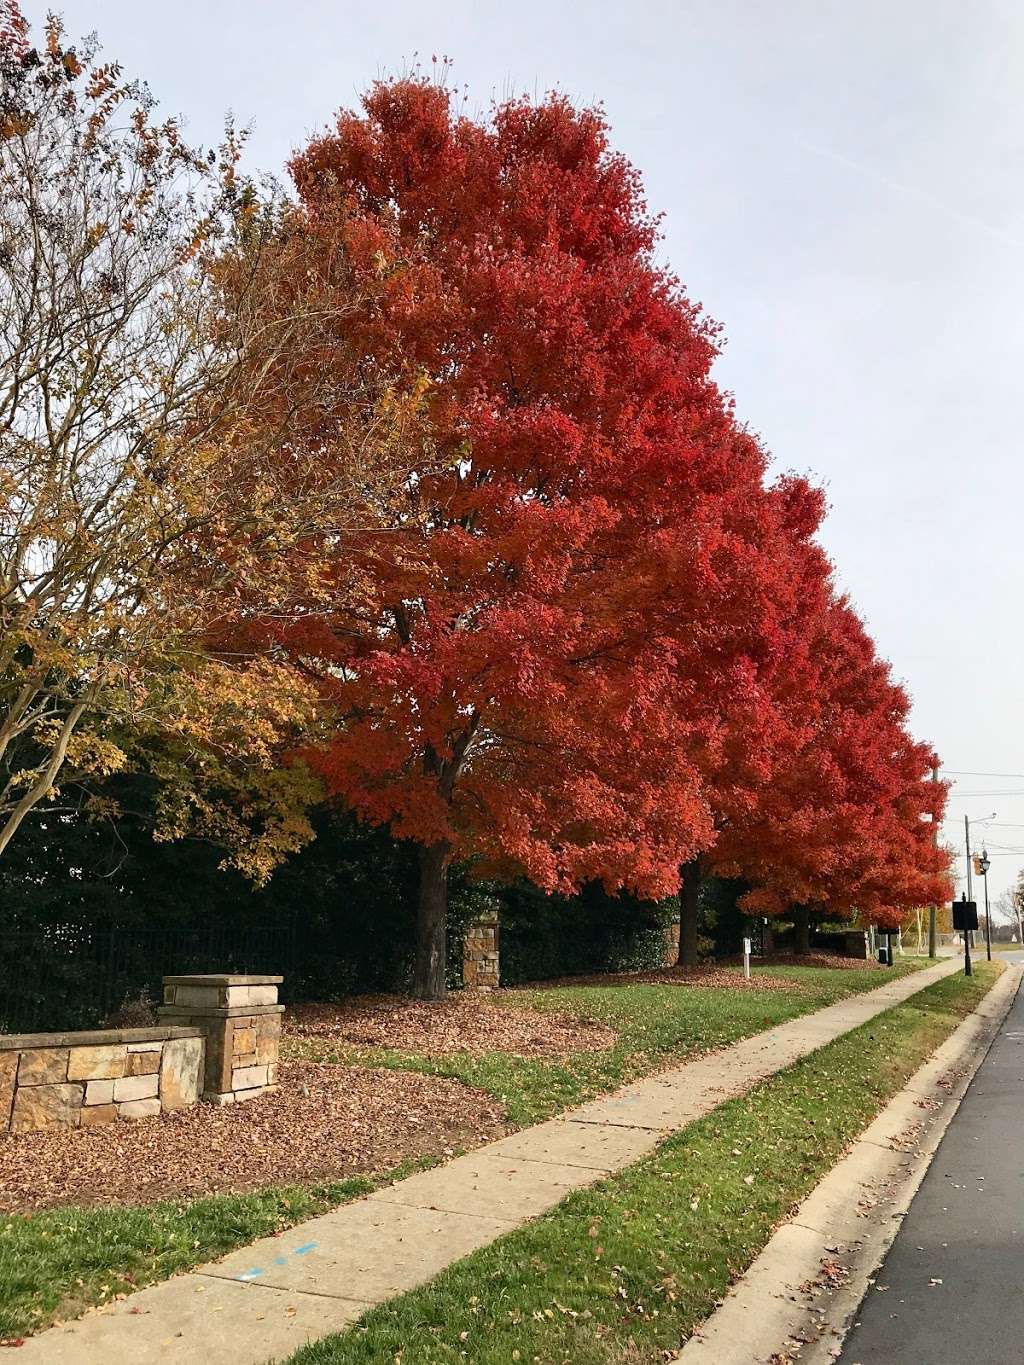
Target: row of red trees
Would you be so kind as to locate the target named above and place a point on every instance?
(598, 642)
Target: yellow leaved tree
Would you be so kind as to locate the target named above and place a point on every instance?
(155, 468)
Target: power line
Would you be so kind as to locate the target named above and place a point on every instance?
(963, 772)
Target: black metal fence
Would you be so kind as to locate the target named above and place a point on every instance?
(70, 976)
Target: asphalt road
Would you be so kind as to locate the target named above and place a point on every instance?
(952, 1286)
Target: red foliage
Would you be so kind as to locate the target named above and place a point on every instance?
(596, 645)
(846, 822)
(510, 687)
(13, 31)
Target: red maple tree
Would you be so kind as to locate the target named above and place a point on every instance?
(507, 676)
(751, 690)
(591, 644)
(846, 823)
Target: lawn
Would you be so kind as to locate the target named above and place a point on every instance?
(656, 1025)
(55, 1262)
(624, 1271)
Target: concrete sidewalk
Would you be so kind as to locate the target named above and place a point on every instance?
(263, 1302)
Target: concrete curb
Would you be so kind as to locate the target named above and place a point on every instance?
(799, 1297)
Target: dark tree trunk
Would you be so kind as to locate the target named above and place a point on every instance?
(767, 939)
(802, 930)
(689, 896)
(432, 924)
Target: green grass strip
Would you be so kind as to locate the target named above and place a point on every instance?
(624, 1272)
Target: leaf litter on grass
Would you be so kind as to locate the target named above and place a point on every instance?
(462, 1023)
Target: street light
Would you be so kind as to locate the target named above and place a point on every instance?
(985, 864)
(978, 820)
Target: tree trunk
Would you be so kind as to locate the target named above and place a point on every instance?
(767, 938)
(689, 896)
(432, 924)
(801, 931)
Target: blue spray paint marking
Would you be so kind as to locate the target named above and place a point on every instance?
(257, 1270)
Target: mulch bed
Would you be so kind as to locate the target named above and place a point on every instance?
(324, 1123)
(833, 960)
(717, 977)
(473, 1024)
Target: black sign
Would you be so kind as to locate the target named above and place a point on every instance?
(965, 915)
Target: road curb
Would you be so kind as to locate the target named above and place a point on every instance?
(798, 1299)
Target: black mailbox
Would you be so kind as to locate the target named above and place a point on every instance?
(965, 915)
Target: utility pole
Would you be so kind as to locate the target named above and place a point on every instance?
(933, 939)
(968, 969)
(967, 836)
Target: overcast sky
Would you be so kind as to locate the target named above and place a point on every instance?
(842, 188)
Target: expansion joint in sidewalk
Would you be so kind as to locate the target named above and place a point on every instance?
(274, 1289)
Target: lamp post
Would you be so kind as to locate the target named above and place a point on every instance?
(985, 864)
(978, 820)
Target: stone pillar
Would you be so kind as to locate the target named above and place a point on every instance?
(242, 1022)
(672, 943)
(480, 956)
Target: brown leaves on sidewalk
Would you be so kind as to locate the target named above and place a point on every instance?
(325, 1122)
(464, 1023)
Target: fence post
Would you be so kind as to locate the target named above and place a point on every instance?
(108, 1003)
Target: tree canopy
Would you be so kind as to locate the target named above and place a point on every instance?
(419, 486)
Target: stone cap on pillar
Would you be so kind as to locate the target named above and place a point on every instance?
(222, 979)
(220, 992)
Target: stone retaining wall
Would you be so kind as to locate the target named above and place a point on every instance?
(73, 1080)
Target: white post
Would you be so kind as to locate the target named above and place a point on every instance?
(746, 958)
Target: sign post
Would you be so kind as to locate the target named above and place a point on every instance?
(746, 958)
(965, 921)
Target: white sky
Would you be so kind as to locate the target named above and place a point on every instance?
(842, 188)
